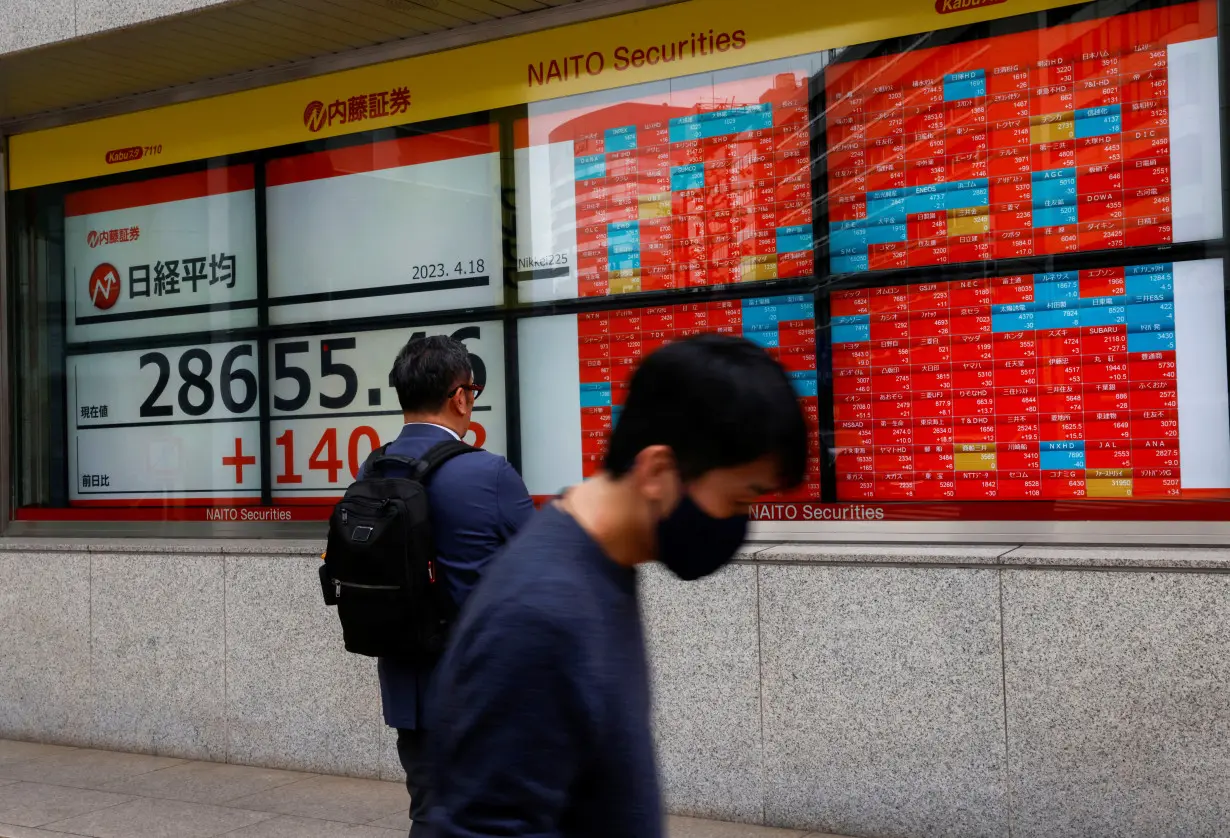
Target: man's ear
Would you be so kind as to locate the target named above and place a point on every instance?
(653, 471)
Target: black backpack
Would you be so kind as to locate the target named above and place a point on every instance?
(380, 566)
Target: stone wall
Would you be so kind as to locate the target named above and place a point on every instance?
(25, 24)
(881, 691)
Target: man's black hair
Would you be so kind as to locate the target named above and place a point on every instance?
(427, 371)
(717, 402)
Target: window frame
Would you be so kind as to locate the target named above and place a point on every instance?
(511, 312)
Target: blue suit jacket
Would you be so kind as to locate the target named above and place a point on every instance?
(478, 501)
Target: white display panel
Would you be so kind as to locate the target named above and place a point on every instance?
(547, 230)
(163, 256)
(171, 424)
(550, 370)
(1202, 385)
(398, 226)
(1195, 140)
(332, 404)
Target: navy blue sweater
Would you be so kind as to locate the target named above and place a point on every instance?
(541, 718)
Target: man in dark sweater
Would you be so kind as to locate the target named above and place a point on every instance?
(542, 719)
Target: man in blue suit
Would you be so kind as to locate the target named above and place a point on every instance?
(478, 501)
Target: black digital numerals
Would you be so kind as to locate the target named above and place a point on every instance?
(196, 392)
(199, 385)
(329, 367)
(437, 270)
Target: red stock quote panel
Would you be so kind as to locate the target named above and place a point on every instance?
(1107, 383)
(701, 185)
(612, 343)
(1081, 137)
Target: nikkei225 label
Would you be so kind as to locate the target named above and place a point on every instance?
(176, 423)
(332, 402)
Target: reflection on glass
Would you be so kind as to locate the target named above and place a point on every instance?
(697, 182)
(1062, 140)
(404, 225)
(1101, 383)
(576, 368)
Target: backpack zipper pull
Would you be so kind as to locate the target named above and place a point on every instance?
(337, 588)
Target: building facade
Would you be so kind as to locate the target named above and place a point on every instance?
(985, 238)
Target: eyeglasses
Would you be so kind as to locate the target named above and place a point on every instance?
(473, 389)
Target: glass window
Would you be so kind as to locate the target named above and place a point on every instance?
(332, 403)
(406, 224)
(688, 183)
(191, 380)
(129, 383)
(575, 368)
(992, 258)
(981, 371)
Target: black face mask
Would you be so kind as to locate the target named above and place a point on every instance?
(694, 544)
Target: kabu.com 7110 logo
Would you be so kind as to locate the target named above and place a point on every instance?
(354, 109)
(947, 7)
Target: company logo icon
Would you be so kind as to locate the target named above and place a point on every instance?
(358, 108)
(946, 7)
(125, 234)
(125, 155)
(315, 116)
(104, 286)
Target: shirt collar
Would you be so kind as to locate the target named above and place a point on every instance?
(448, 431)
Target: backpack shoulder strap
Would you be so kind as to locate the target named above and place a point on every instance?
(380, 457)
(377, 454)
(420, 468)
(438, 455)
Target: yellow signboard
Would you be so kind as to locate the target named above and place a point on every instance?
(676, 40)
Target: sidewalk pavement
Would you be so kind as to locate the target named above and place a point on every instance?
(50, 791)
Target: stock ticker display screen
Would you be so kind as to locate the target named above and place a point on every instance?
(353, 235)
(575, 371)
(984, 263)
(1107, 383)
(1080, 137)
(611, 344)
(678, 187)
